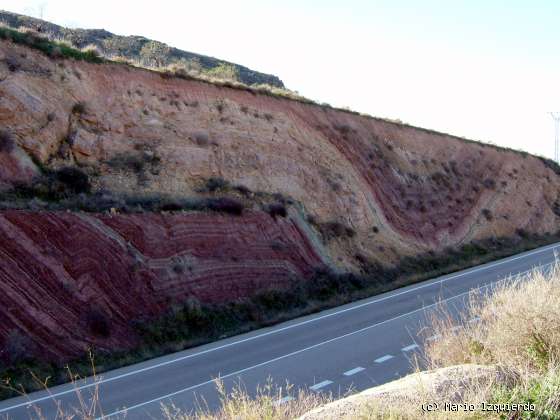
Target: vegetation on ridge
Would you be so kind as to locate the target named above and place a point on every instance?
(52, 49)
(140, 50)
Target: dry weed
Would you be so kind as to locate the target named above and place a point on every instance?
(239, 404)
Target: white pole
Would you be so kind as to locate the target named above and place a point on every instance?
(556, 117)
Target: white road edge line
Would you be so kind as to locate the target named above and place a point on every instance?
(179, 359)
(320, 385)
(384, 358)
(410, 347)
(353, 371)
(297, 351)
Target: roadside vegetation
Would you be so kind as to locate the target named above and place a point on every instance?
(194, 323)
(518, 331)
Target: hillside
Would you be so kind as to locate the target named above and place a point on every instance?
(127, 192)
(145, 52)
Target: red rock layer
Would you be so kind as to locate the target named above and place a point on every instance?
(56, 269)
(420, 198)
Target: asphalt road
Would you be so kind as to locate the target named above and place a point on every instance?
(356, 346)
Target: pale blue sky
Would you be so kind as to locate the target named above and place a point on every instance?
(481, 69)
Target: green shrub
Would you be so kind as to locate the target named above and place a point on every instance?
(17, 347)
(220, 106)
(487, 214)
(344, 129)
(551, 164)
(216, 184)
(79, 108)
(76, 180)
(242, 189)
(332, 230)
(133, 161)
(489, 183)
(225, 205)
(98, 323)
(543, 392)
(54, 185)
(201, 139)
(13, 64)
(277, 210)
(7, 143)
(52, 49)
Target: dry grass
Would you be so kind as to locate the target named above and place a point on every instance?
(518, 328)
(87, 405)
(518, 331)
(238, 404)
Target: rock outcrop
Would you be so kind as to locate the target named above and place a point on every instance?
(59, 269)
(460, 385)
(364, 191)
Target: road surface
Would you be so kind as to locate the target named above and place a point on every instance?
(356, 346)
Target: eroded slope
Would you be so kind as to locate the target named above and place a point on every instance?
(363, 191)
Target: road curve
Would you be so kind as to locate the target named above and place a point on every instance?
(356, 346)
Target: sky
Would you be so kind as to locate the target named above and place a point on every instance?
(486, 70)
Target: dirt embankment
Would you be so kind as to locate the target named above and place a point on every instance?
(364, 190)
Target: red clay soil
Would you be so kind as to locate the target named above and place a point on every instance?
(131, 266)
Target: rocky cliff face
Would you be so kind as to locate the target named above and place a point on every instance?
(58, 270)
(359, 190)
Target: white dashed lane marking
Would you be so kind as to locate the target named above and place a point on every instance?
(320, 385)
(284, 400)
(411, 347)
(353, 371)
(384, 358)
